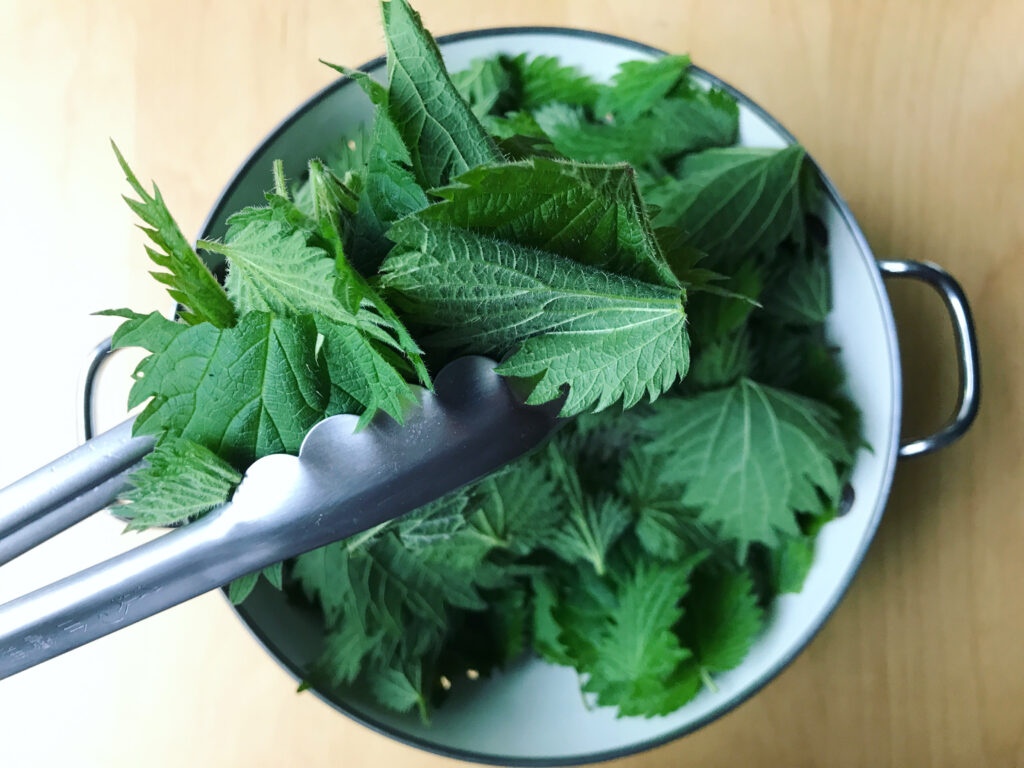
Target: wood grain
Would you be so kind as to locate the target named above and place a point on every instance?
(915, 110)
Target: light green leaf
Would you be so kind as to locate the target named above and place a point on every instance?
(188, 280)
(399, 689)
(390, 189)
(484, 85)
(273, 269)
(686, 124)
(516, 509)
(791, 563)
(591, 525)
(359, 373)
(639, 86)
(749, 458)
(640, 665)
(179, 482)
(665, 527)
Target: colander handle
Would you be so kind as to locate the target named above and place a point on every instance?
(966, 339)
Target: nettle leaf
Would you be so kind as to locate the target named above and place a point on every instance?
(591, 524)
(697, 121)
(344, 654)
(188, 280)
(665, 527)
(544, 79)
(390, 190)
(443, 136)
(799, 291)
(749, 457)
(791, 563)
(361, 377)
(607, 336)
(179, 481)
(735, 200)
(273, 269)
(639, 664)
(545, 629)
(720, 362)
(640, 85)
(486, 85)
(241, 392)
(722, 620)
(592, 214)
(399, 689)
(240, 588)
(516, 509)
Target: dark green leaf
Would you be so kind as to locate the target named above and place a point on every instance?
(592, 214)
(605, 335)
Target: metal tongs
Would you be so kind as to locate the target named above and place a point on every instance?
(342, 482)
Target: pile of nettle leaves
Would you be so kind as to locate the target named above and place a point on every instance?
(493, 211)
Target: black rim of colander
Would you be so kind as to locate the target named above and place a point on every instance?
(218, 213)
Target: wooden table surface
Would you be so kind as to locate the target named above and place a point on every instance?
(914, 107)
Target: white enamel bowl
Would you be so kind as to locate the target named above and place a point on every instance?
(533, 714)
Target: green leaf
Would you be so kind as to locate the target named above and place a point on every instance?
(441, 532)
(791, 563)
(607, 336)
(241, 392)
(697, 121)
(736, 200)
(486, 85)
(188, 280)
(800, 290)
(665, 527)
(442, 134)
(360, 374)
(344, 654)
(639, 86)
(273, 269)
(399, 689)
(274, 574)
(640, 665)
(516, 509)
(390, 190)
(324, 575)
(179, 482)
(513, 124)
(240, 589)
(721, 362)
(544, 79)
(749, 458)
(592, 214)
(722, 620)
(545, 629)
(591, 526)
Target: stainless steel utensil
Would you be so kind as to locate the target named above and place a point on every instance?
(342, 482)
